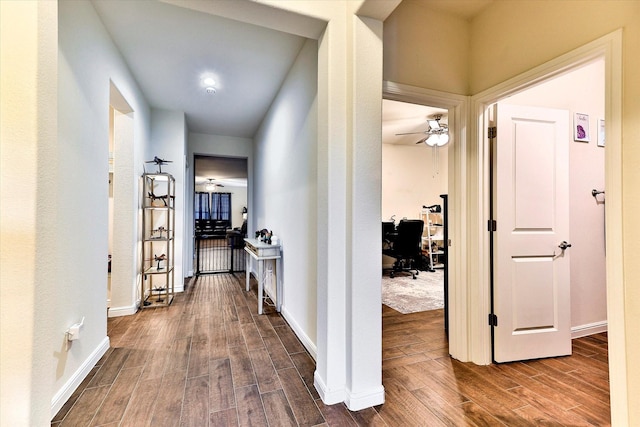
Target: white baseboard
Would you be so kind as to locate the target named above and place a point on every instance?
(358, 401)
(60, 398)
(123, 311)
(329, 397)
(302, 336)
(589, 329)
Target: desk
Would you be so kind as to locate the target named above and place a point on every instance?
(261, 252)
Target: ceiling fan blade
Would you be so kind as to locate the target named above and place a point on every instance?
(421, 141)
(413, 133)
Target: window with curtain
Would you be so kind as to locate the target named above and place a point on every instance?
(201, 210)
(221, 206)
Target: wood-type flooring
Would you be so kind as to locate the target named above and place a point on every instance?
(210, 360)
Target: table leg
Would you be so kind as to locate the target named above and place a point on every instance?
(279, 273)
(247, 273)
(260, 284)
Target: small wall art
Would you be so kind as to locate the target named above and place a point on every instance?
(600, 132)
(581, 127)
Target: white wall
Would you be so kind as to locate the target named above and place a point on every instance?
(214, 145)
(28, 131)
(87, 62)
(168, 142)
(284, 189)
(55, 123)
(581, 91)
(411, 179)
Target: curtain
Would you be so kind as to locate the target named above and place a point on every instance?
(201, 209)
(221, 206)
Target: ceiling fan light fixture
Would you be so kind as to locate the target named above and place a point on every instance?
(437, 139)
(434, 123)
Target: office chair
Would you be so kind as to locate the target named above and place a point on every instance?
(407, 247)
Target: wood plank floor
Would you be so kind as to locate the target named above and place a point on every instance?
(210, 360)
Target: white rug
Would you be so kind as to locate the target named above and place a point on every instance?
(406, 295)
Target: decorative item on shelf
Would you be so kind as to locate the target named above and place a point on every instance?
(159, 259)
(159, 162)
(159, 231)
(164, 198)
(432, 208)
(264, 235)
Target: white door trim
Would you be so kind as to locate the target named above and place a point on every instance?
(457, 105)
(608, 47)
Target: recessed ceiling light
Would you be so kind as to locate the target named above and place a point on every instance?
(208, 81)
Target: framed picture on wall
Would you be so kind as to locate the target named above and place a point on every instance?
(600, 132)
(581, 127)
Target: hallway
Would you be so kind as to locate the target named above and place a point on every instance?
(209, 359)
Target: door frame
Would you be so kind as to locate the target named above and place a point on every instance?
(458, 111)
(608, 47)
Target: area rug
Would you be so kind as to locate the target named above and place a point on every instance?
(406, 295)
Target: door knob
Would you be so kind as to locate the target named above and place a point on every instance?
(564, 245)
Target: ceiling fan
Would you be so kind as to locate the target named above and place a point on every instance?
(437, 134)
(211, 185)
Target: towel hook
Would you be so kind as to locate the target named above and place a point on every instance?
(595, 192)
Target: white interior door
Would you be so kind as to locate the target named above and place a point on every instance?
(531, 291)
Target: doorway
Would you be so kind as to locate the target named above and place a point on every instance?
(610, 48)
(220, 214)
(122, 279)
(414, 188)
(579, 95)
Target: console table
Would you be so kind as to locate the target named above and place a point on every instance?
(261, 251)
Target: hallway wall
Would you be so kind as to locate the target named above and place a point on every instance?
(88, 62)
(284, 192)
(60, 100)
(168, 141)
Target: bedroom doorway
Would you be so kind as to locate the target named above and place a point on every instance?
(220, 214)
(414, 187)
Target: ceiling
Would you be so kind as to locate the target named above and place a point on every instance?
(466, 9)
(169, 49)
(228, 171)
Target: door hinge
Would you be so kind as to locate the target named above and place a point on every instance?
(493, 320)
(492, 225)
(492, 132)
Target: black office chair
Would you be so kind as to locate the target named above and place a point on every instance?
(407, 247)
